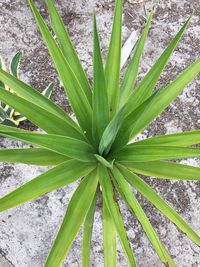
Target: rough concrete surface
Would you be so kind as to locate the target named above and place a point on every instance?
(26, 232)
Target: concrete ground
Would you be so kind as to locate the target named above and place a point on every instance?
(26, 232)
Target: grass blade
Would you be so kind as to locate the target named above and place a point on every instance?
(166, 170)
(153, 106)
(133, 67)
(66, 146)
(73, 89)
(33, 156)
(112, 68)
(100, 99)
(87, 234)
(177, 139)
(128, 196)
(146, 86)
(132, 153)
(109, 198)
(53, 179)
(109, 238)
(74, 217)
(68, 49)
(160, 204)
(39, 116)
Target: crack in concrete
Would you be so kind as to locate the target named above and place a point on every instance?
(7, 261)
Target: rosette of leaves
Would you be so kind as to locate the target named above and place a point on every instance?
(96, 149)
(8, 115)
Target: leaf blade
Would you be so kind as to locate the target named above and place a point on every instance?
(66, 146)
(32, 156)
(73, 89)
(109, 238)
(100, 116)
(132, 153)
(87, 234)
(133, 67)
(68, 49)
(108, 196)
(55, 178)
(76, 212)
(160, 204)
(112, 68)
(41, 117)
(135, 207)
(166, 170)
(146, 86)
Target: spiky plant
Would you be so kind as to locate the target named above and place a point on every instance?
(96, 149)
(8, 115)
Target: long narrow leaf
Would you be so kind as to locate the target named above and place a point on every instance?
(109, 238)
(66, 146)
(77, 97)
(39, 116)
(130, 199)
(112, 68)
(133, 67)
(53, 179)
(68, 49)
(166, 170)
(146, 86)
(133, 153)
(109, 198)
(100, 99)
(33, 156)
(27, 92)
(153, 106)
(177, 139)
(87, 234)
(74, 217)
(160, 204)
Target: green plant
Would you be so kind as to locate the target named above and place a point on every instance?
(8, 115)
(96, 148)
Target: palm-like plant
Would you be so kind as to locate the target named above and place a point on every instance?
(97, 148)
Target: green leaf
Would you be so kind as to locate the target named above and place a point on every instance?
(104, 162)
(159, 203)
(33, 156)
(55, 178)
(73, 89)
(66, 146)
(2, 67)
(15, 64)
(132, 153)
(28, 93)
(39, 116)
(177, 139)
(100, 98)
(48, 91)
(166, 170)
(133, 67)
(128, 196)
(68, 49)
(112, 205)
(153, 106)
(109, 238)
(112, 68)
(110, 132)
(146, 86)
(74, 217)
(87, 234)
